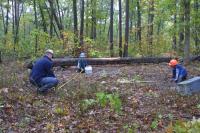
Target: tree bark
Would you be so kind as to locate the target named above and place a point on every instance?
(181, 27)
(111, 61)
(111, 28)
(187, 31)
(82, 22)
(139, 33)
(150, 27)
(126, 30)
(120, 28)
(94, 23)
(196, 26)
(75, 22)
(43, 18)
(36, 26)
(174, 43)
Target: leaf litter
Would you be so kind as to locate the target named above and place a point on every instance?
(149, 101)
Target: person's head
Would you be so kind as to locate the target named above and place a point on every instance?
(49, 53)
(173, 63)
(82, 55)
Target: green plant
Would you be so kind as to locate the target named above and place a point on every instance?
(154, 124)
(85, 104)
(137, 78)
(187, 127)
(198, 106)
(113, 100)
(102, 98)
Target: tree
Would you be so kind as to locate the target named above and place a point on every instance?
(44, 24)
(187, 31)
(36, 26)
(111, 28)
(75, 22)
(196, 29)
(126, 30)
(150, 26)
(120, 28)
(181, 27)
(139, 33)
(82, 22)
(174, 45)
(94, 20)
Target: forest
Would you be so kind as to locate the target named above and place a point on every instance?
(129, 44)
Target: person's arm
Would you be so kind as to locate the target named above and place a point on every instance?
(49, 71)
(177, 75)
(173, 73)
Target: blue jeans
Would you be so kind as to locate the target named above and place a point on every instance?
(47, 83)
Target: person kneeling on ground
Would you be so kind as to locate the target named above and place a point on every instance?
(42, 75)
(179, 73)
(82, 63)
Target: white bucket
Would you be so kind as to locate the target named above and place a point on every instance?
(88, 70)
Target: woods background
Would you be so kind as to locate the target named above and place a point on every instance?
(102, 28)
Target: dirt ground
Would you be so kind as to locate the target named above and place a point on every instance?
(145, 90)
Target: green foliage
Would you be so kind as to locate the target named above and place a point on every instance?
(133, 128)
(87, 103)
(60, 111)
(137, 78)
(198, 106)
(113, 100)
(187, 127)
(102, 98)
(154, 124)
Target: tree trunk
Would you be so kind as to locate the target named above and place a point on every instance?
(181, 27)
(111, 61)
(82, 22)
(150, 27)
(126, 30)
(87, 19)
(16, 30)
(120, 28)
(75, 22)
(13, 18)
(3, 19)
(53, 12)
(7, 17)
(196, 26)
(94, 23)
(175, 28)
(36, 26)
(111, 28)
(43, 18)
(187, 31)
(139, 33)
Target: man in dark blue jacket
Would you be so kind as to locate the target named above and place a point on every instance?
(179, 73)
(42, 74)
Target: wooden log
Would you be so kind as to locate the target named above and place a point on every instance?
(111, 61)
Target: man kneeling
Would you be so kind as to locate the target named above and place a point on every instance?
(42, 75)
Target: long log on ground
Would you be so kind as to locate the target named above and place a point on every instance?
(111, 61)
